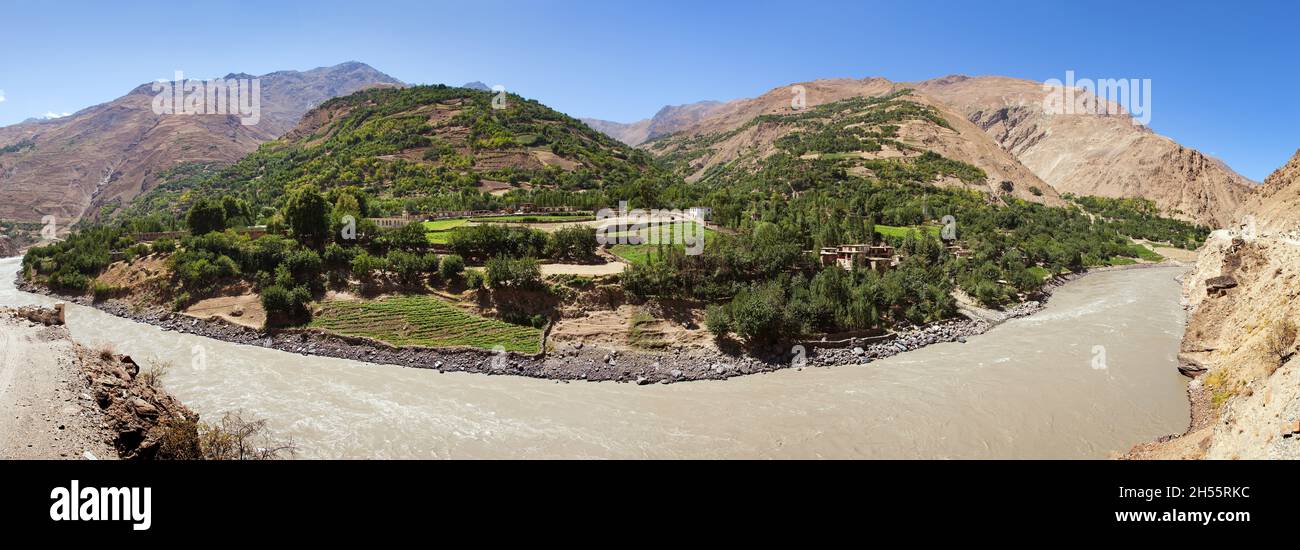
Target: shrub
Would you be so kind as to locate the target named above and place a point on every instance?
(717, 321)
(66, 279)
(758, 314)
(452, 267)
(576, 243)
(365, 266)
(290, 304)
(200, 269)
(485, 241)
(104, 291)
(305, 266)
(154, 373)
(233, 438)
(276, 299)
(473, 280)
(137, 250)
(409, 237)
(431, 263)
(408, 267)
(513, 272)
(337, 256)
(164, 246)
(266, 253)
(1279, 342)
(236, 438)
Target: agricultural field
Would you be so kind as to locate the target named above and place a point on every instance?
(900, 232)
(440, 231)
(424, 321)
(537, 218)
(1146, 254)
(444, 225)
(642, 254)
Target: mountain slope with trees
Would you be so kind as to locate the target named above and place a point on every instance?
(104, 156)
(424, 149)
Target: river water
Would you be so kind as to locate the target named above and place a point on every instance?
(1030, 388)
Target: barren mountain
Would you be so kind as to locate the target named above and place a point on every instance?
(1276, 203)
(669, 120)
(1095, 154)
(888, 121)
(633, 133)
(109, 153)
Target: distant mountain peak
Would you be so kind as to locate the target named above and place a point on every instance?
(69, 176)
(476, 85)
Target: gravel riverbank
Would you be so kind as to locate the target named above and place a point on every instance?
(574, 362)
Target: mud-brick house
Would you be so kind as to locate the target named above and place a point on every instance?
(879, 258)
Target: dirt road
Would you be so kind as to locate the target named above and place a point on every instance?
(45, 410)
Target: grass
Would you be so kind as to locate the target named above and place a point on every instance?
(1220, 387)
(424, 321)
(439, 232)
(635, 254)
(894, 231)
(639, 333)
(841, 156)
(1145, 253)
(537, 218)
(1041, 272)
(642, 254)
(445, 225)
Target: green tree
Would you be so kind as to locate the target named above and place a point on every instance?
(308, 215)
(452, 267)
(513, 272)
(206, 216)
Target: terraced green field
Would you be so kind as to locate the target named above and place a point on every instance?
(444, 225)
(642, 254)
(893, 231)
(1146, 253)
(537, 218)
(439, 232)
(424, 321)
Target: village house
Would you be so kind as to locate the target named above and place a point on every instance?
(395, 223)
(879, 258)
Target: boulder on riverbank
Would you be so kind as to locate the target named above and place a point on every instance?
(69, 401)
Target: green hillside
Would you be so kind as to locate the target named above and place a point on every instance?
(423, 149)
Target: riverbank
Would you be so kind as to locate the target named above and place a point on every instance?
(1003, 395)
(1245, 392)
(577, 361)
(61, 400)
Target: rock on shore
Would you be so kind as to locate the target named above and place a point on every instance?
(59, 399)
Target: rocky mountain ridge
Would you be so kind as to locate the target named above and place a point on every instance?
(105, 155)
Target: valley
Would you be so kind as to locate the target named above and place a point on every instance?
(464, 233)
(317, 242)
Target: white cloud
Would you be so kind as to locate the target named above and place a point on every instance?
(53, 115)
(2, 96)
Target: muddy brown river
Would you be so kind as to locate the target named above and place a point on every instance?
(1094, 373)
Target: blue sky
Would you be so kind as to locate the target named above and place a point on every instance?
(1224, 74)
